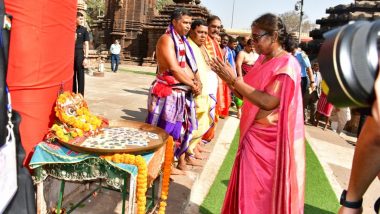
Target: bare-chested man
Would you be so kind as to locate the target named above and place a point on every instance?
(244, 63)
(170, 104)
(242, 41)
(246, 58)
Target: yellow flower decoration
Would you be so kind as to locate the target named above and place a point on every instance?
(75, 119)
(142, 176)
(169, 155)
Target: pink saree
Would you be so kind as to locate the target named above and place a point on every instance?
(269, 169)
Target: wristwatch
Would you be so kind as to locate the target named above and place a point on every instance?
(350, 204)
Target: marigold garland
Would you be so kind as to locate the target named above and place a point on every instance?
(75, 119)
(169, 155)
(142, 176)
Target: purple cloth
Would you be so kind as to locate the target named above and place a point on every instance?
(176, 115)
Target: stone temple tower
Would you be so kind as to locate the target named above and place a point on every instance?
(124, 20)
(138, 25)
(158, 24)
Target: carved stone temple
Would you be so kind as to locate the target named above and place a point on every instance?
(138, 25)
(340, 15)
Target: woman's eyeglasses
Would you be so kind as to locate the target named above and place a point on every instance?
(257, 37)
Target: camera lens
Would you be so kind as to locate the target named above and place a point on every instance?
(349, 63)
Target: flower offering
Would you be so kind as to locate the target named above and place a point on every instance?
(75, 121)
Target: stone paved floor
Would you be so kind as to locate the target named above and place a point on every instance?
(335, 154)
(123, 95)
(119, 96)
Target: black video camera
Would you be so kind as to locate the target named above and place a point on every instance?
(349, 63)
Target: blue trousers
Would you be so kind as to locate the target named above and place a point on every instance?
(115, 60)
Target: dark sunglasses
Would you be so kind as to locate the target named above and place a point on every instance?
(257, 37)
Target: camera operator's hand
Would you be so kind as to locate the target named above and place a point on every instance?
(376, 104)
(346, 210)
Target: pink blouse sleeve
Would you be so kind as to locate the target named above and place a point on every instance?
(274, 88)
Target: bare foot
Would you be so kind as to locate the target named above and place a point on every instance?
(193, 162)
(176, 171)
(182, 167)
(201, 149)
(198, 156)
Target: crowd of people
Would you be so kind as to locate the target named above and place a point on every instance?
(271, 81)
(198, 68)
(275, 89)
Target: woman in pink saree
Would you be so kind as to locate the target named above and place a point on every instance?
(269, 169)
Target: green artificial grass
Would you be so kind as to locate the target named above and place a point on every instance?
(319, 196)
(132, 71)
(214, 199)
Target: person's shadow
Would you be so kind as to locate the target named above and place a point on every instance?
(143, 91)
(139, 116)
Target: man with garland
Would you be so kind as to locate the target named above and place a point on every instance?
(206, 101)
(223, 95)
(170, 104)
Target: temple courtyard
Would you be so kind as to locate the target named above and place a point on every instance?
(123, 96)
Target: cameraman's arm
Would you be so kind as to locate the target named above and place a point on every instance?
(366, 163)
(376, 104)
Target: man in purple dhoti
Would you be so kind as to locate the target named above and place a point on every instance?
(170, 104)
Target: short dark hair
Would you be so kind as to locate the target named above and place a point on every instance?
(231, 39)
(241, 39)
(250, 42)
(80, 14)
(198, 22)
(179, 12)
(224, 35)
(292, 44)
(212, 18)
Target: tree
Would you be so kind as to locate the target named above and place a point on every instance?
(161, 3)
(292, 20)
(94, 9)
(307, 26)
